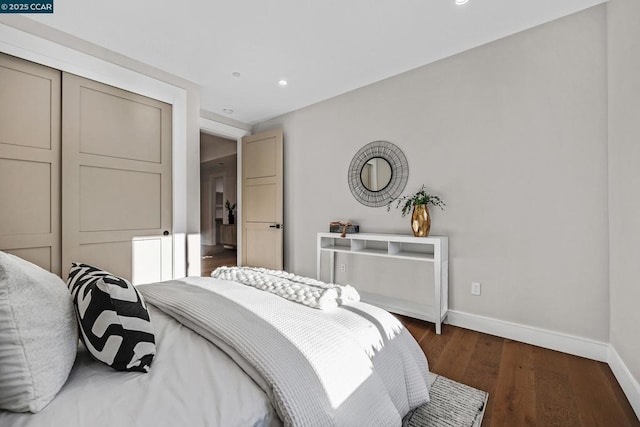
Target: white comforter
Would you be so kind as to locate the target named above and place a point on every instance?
(355, 365)
(352, 366)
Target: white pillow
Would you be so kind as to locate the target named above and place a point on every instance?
(38, 335)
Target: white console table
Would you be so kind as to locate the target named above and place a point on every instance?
(433, 249)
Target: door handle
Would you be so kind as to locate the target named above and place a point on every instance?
(165, 233)
(278, 226)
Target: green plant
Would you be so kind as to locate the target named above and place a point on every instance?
(228, 206)
(420, 197)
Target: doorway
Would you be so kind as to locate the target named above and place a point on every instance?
(218, 202)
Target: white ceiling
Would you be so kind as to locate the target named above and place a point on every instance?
(322, 47)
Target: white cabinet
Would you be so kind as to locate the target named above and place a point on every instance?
(432, 249)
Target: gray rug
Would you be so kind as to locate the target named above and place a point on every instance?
(452, 405)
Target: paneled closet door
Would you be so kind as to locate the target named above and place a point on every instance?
(30, 162)
(116, 181)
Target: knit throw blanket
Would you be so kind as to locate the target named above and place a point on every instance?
(303, 290)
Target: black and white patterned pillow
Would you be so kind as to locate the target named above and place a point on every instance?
(113, 319)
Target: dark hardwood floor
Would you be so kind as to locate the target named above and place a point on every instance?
(216, 256)
(527, 385)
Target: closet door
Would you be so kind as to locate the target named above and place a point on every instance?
(116, 181)
(30, 162)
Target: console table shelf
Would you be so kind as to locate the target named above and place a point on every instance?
(433, 249)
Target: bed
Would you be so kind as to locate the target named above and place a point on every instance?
(228, 354)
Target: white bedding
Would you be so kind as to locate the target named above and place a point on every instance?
(353, 365)
(191, 383)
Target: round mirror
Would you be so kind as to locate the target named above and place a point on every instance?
(376, 174)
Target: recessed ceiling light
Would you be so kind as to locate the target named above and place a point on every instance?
(235, 74)
(461, 2)
(283, 82)
(228, 110)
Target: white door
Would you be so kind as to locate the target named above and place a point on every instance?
(116, 181)
(30, 162)
(262, 198)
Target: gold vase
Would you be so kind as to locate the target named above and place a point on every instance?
(420, 221)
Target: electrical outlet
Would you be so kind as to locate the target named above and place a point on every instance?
(475, 288)
(343, 268)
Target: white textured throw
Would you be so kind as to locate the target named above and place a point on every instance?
(352, 366)
(303, 290)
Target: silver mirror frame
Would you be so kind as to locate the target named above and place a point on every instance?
(399, 173)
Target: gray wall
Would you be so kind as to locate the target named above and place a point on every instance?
(513, 135)
(214, 147)
(624, 178)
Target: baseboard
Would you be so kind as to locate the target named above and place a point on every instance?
(559, 341)
(629, 384)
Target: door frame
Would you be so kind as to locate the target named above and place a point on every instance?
(230, 132)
